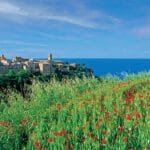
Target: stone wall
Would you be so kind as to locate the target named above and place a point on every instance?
(15, 67)
(45, 68)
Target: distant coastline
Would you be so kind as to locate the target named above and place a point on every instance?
(43, 66)
(114, 66)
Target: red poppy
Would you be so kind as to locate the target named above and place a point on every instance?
(104, 132)
(67, 147)
(63, 132)
(107, 113)
(100, 119)
(125, 139)
(103, 141)
(36, 144)
(39, 148)
(98, 125)
(121, 128)
(128, 117)
(50, 140)
(57, 134)
(148, 105)
(137, 115)
(107, 122)
(128, 101)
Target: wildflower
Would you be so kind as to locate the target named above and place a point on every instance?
(104, 132)
(1, 123)
(4, 123)
(36, 144)
(67, 146)
(137, 115)
(58, 106)
(103, 141)
(90, 134)
(128, 101)
(34, 124)
(121, 128)
(141, 102)
(148, 105)
(128, 117)
(100, 119)
(50, 140)
(67, 138)
(115, 111)
(107, 122)
(125, 139)
(63, 132)
(24, 121)
(57, 134)
(107, 113)
(98, 125)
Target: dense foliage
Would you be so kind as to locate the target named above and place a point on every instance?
(19, 80)
(15, 80)
(78, 114)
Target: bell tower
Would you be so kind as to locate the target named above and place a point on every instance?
(2, 57)
(50, 57)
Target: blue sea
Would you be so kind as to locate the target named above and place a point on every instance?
(117, 67)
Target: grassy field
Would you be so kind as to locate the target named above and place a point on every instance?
(88, 114)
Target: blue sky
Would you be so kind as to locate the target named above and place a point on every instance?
(75, 28)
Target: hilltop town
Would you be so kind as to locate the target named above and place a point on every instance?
(40, 66)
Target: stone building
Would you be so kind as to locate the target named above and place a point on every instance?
(2, 57)
(29, 66)
(42, 66)
(10, 67)
(19, 59)
(36, 66)
(18, 63)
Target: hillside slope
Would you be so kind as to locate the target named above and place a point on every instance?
(79, 114)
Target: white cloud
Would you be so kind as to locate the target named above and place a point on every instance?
(83, 18)
(8, 8)
(22, 43)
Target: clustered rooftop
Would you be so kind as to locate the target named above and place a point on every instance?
(19, 63)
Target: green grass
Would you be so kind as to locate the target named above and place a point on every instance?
(86, 114)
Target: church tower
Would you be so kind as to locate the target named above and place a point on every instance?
(2, 57)
(50, 57)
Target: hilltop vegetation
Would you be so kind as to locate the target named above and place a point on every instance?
(87, 113)
(20, 80)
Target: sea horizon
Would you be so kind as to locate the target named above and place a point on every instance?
(113, 66)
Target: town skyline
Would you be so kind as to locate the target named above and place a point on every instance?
(75, 29)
